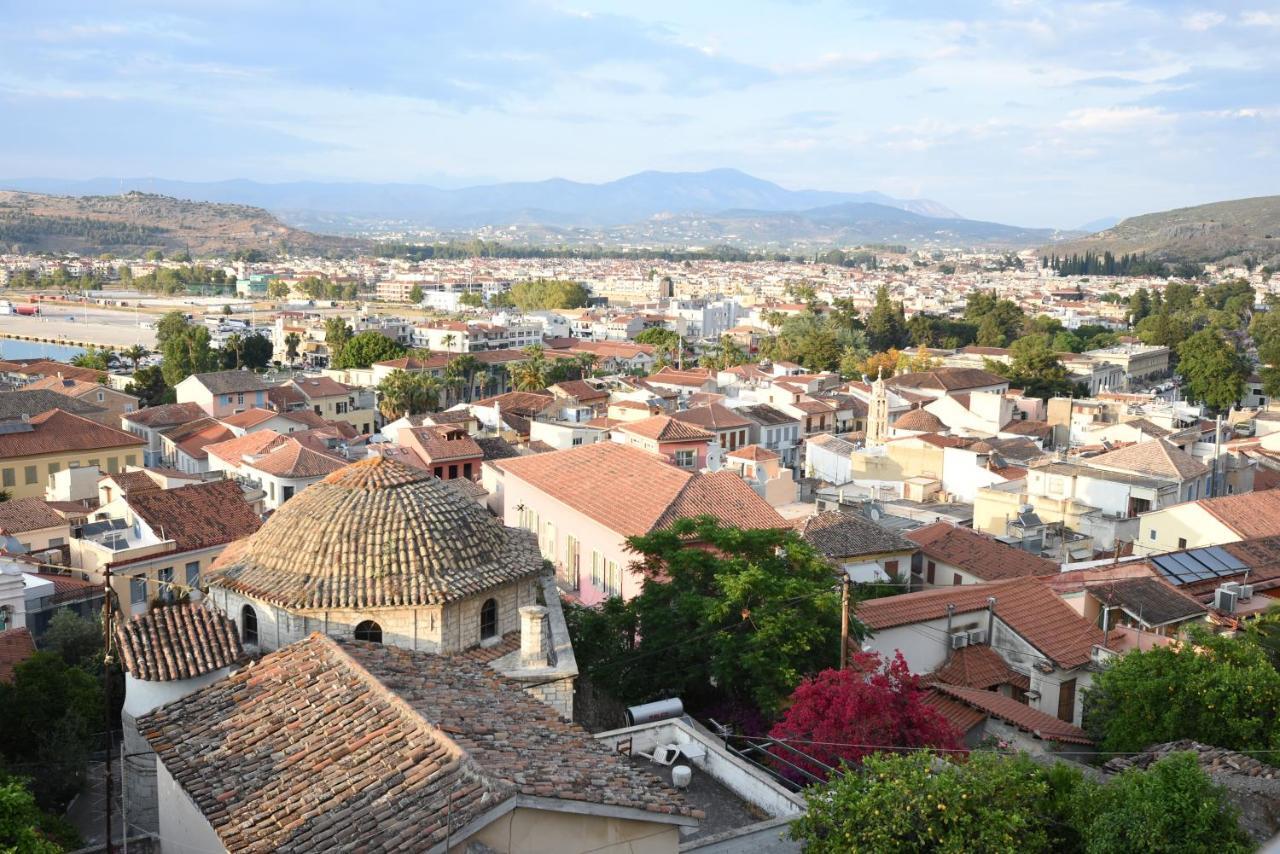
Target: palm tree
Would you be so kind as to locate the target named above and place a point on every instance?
(235, 344)
(464, 367)
(586, 364)
(291, 343)
(448, 341)
(136, 354)
(394, 393)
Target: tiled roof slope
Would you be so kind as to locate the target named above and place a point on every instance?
(1149, 599)
(16, 646)
(197, 516)
(977, 554)
(631, 491)
(1026, 605)
(291, 458)
(837, 534)
(226, 382)
(1249, 514)
(376, 534)
(178, 642)
(664, 428)
(713, 416)
(1157, 457)
(28, 401)
(978, 666)
(27, 514)
(58, 430)
(1018, 714)
(168, 415)
(920, 420)
(323, 746)
(947, 379)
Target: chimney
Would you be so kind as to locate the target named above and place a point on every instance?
(533, 645)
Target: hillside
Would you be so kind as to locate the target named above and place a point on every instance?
(848, 224)
(555, 202)
(1206, 233)
(134, 223)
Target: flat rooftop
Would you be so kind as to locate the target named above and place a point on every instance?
(724, 810)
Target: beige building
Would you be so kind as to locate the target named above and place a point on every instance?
(95, 394)
(33, 524)
(1209, 522)
(32, 450)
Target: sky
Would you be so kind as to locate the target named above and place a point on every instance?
(1018, 111)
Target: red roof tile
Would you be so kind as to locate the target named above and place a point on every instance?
(1017, 714)
(1249, 514)
(197, 516)
(664, 428)
(57, 431)
(978, 554)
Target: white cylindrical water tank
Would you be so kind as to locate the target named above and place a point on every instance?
(655, 711)
(681, 775)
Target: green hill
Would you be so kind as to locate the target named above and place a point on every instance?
(133, 223)
(1222, 231)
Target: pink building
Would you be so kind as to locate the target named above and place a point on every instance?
(584, 502)
(681, 444)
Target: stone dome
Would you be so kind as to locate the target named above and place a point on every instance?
(919, 421)
(376, 534)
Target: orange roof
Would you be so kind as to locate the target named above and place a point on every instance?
(978, 554)
(249, 417)
(713, 416)
(632, 492)
(1249, 514)
(294, 459)
(197, 516)
(1157, 457)
(57, 431)
(754, 452)
(979, 666)
(233, 450)
(1026, 605)
(664, 428)
(1017, 714)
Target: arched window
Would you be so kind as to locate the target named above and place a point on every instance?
(249, 625)
(369, 631)
(488, 619)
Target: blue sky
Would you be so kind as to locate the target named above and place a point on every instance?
(1035, 113)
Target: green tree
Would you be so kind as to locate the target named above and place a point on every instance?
(256, 351)
(1163, 329)
(1213, 370)
(533, 373)
(547, 294)
(76, 640)
(1217, 690)
(336, 335)
(93, 358)
(292, 342)
(1265, 330)
(665, 342)
(885, 327)
(149, 387)
(999, 321)
(154, 255)
(186, 351)
(1035, 367)
(415, 294)
(723, 613)
(1172, 806)
(1139, 305)
(365, 348)
(403, 393)
(49, 715)
(136, 354)
(277, 290)
(919, 802)
(471, 300)
(22, 824)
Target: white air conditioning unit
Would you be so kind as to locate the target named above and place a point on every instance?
(1233, 586)
(959, 641)
(978, 636)
(1225, 600)
(1246, 592)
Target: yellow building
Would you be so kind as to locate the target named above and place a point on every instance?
(33, 449)
(1209, 522)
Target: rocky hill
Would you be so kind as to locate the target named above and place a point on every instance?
(134, 223)
(1222, 231)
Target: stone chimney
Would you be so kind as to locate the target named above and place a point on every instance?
(533, 644)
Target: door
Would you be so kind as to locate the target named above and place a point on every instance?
(1067, 701)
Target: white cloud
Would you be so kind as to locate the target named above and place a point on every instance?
(1113, 119)
(1202, 21)
(1258, 18)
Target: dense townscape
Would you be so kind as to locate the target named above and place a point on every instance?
(709, 554)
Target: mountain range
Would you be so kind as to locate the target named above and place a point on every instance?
(557, 202)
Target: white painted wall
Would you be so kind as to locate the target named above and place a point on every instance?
(183, 828)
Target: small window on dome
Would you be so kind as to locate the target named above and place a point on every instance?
(369, 631)
(249, 625)
(488, 619)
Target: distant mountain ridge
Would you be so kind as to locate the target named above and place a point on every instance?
(555, 202)
(1230, 230)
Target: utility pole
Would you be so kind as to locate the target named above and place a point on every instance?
(844, 620)
(107, 614)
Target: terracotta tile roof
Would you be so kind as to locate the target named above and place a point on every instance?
(70, 386)
(376, 534)
(249, 418)
(1249, 514)
(1156, 457)
(27, 514)
(133, 482)
(813, 407)
(50, 368)
(695, 377)
(194, 443)
(758, 453)
(921, 421)
(527, 403)
(227, 382)
(1145, 426)
(319, 387)
(27, 401)
(946, 379)
(631, 491)
(664, 428)
(178, 642)
(68, 588)
(293, 459)
(844, 535)
(1017, 714)
(1150, 600)
(168, 415)
(496, 448)
(1039, 429)
(417, 363)
(197, 516)
(702, 398)
(438, 444)
(961, 716)
(1026, 605)
(581, 391)
(234, 450)
(327, 746)
(16, 646)
(713, 417)
(978, 554)
(978, 666)
(57, 431)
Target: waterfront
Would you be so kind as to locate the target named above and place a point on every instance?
(11, 349)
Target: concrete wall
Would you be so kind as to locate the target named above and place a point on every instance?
(1161, 530)
(531, 829)
(27, 477)
(183, 828)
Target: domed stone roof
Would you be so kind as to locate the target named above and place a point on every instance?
(376, 534)
(919, 420)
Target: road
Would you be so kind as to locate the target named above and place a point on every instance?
(87, 325)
